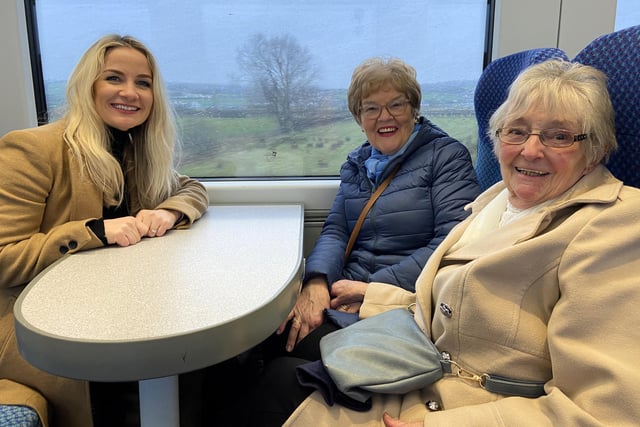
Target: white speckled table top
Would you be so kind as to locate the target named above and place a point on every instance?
(165, 305)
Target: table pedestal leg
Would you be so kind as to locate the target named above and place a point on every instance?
(159, 402)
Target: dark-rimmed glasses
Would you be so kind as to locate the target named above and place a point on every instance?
(395, 108)
(557, 138)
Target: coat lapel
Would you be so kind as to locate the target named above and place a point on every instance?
(86, 198)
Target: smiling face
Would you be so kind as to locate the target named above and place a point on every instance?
(387, 133)
(123, 92)
(534, 173)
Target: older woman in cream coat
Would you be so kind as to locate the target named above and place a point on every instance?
(540, 283)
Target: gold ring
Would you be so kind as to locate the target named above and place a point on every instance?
(344, 307)
(295, 322)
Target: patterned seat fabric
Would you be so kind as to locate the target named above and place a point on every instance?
(618, 56)
(18, 416)
(491, 91)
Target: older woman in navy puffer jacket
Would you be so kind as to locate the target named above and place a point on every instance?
(424, 200)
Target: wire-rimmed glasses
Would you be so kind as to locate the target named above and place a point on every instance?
(557, 138)
(395, 108)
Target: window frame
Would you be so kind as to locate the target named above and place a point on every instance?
(41, 99)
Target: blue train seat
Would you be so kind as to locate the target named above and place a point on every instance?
(491, 91)
(618, 55)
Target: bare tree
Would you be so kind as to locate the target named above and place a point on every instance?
(284, 72)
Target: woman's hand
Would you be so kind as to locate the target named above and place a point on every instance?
(389, 421)
(158, 221)
(307, 313)
(348, 295)
(124, 231)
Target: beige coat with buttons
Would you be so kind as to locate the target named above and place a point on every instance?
(552, 297)
(45, 204)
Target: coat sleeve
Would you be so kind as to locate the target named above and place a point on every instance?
(27, 176)
(453, 186)
(326, 258)
(190, 199)
(592, 335)
(381, 297)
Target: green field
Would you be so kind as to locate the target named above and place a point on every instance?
(214, 147)
(225, 133)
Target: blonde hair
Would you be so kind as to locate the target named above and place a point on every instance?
(153, 178)
(374, 73)
(574, 92)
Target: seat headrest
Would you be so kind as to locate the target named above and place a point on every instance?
(618, 55)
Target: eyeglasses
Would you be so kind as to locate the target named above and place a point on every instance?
(557, 138)
(373, 111)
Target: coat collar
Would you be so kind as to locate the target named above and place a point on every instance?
(597, 187)
(86, 197)
(362, 153)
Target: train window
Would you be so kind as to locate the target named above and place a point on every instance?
(627, 14)
(208, 54)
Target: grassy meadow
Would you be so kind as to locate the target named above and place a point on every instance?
(253, 147)
(226, 133)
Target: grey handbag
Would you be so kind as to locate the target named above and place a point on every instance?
(388, 353)
(385, 353)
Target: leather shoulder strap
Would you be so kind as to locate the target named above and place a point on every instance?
(365, 211)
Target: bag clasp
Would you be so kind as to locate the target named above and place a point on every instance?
(468, 375)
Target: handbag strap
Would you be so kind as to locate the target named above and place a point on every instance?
(513, 387)
(496, 384)
(492, 383)
(365, 211)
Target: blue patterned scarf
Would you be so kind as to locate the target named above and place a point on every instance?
(377, 162)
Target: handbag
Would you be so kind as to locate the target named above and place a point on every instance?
(387, 353)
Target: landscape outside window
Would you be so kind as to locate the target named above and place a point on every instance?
(259, 86)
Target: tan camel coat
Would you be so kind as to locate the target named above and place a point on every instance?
(45, 204)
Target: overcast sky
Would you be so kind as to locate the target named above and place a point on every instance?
(197, 40)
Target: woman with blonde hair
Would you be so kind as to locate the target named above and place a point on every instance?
(102, 175)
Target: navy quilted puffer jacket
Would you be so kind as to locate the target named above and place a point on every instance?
(410, 218)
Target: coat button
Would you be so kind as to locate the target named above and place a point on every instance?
(64, 249)
(446, 310)
(73, 244)
(433, 406)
